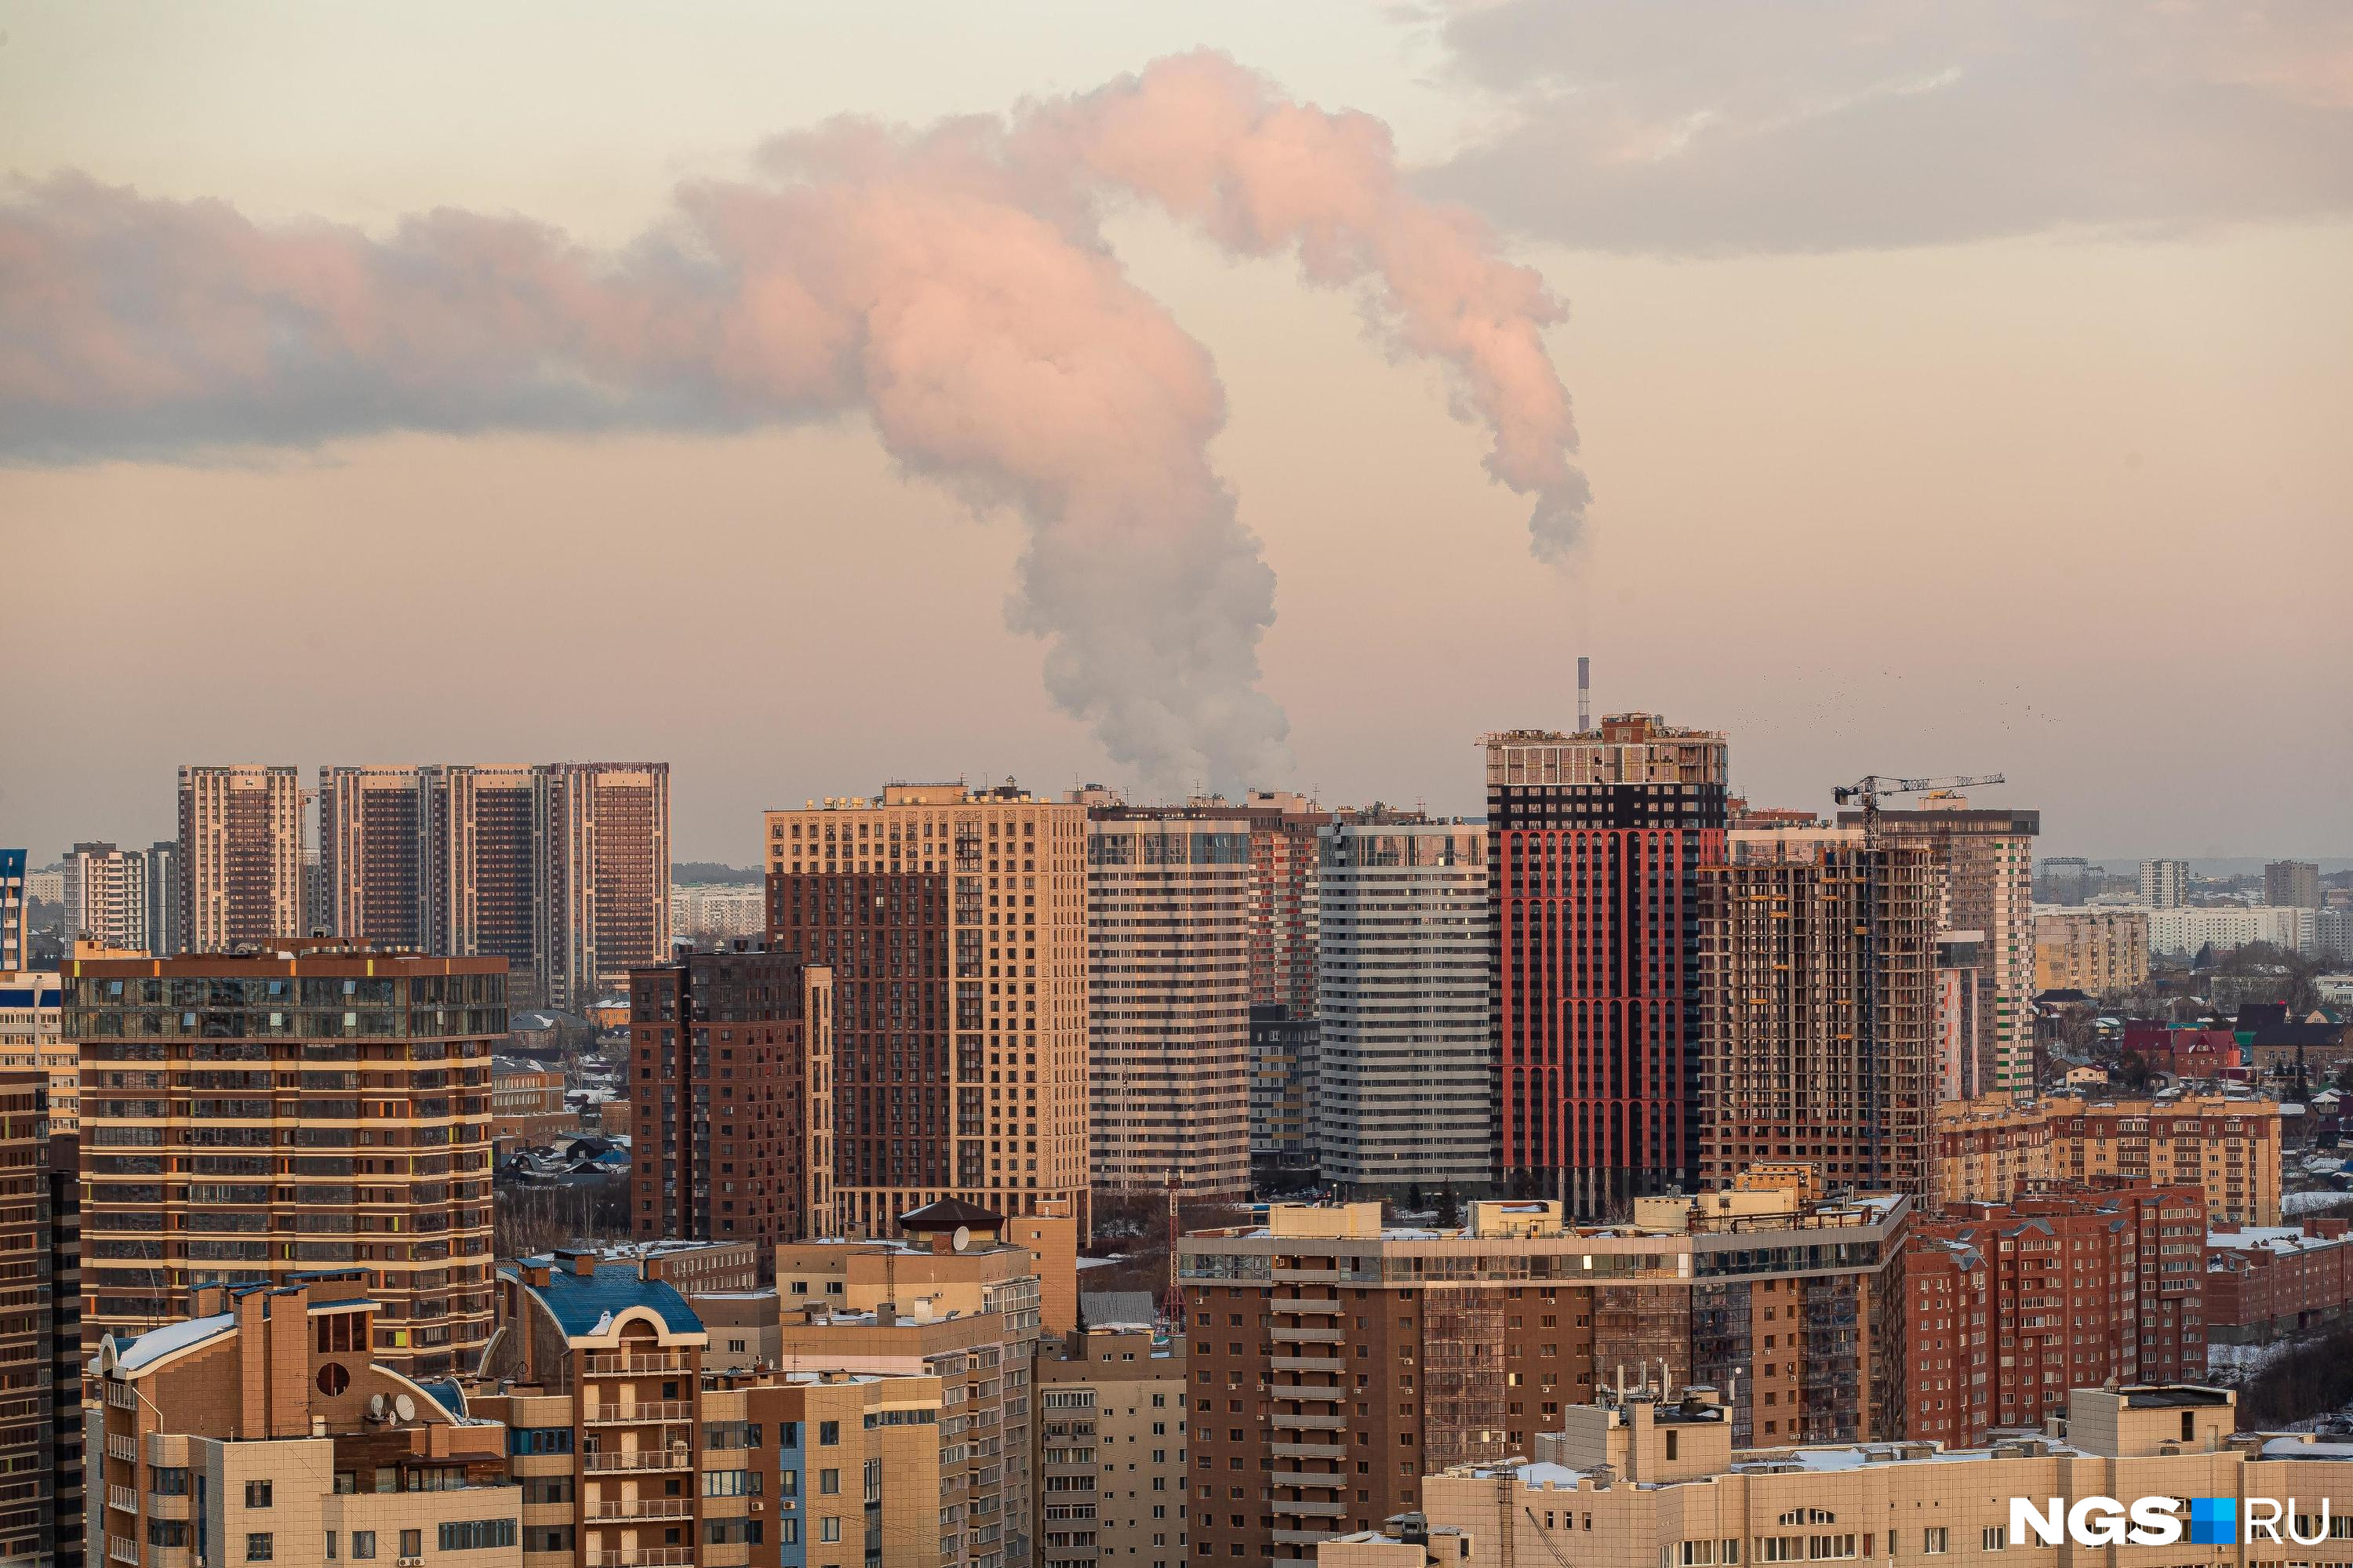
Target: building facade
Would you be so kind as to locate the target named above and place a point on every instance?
(246, 1118)
(2266, 1283)
(264, 1430)
(1653, 1480)
(33, 1040)
(955, 923)
(1405, 1090)
(1594, 846)
(604, 842)
(1283, 1054)
(1335, 1364)
(106, 897)
(240, 855)
(29, 1470)
(2010, 1305)
(1985, 862)
(2165, 884)
(2100, 952)
(2187, 932)
(731, 1097)
(1818, 1040)
(1992, 1153)
(15, 912)
(2292, 882)
(1168, 915)
(1112, 1472)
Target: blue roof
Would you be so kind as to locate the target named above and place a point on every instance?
(25, 996)
(11, 863)
(581, 1301)
(447, 1395)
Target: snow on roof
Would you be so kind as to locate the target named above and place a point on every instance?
(156, 1343)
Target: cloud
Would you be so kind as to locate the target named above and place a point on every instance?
(1708, 126)
(952, 283)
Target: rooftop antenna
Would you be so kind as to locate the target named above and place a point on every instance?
(1584, 694)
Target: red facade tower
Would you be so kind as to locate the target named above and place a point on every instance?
(1595, 841)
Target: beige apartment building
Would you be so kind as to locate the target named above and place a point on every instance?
(249, 1119)
(1168, 927)
(264, 1429)
(1110, 1450)
(32, 1040)
(955, 923)
(957, 1300)
(1647, 1480)
(2098, 951)
(241, 856)
(1993, 1149)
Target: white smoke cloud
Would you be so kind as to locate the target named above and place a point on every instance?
(953, 284)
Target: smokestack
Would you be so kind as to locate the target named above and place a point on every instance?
(1584, 694)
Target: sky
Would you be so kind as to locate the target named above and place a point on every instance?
(1959, 390)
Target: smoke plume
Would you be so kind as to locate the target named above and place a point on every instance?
(952, 283)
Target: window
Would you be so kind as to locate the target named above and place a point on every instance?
(412, 1543)
(476, 1534)
(174, 1533)
(830, 1528)
(828, 1433)
(171, 1481)
(829, 1483)
(731, 1483)
(257, 1494)
(539, 1440)
(1993, 1538)
(363, 1543)
(1936, 1541)
(260, 1547)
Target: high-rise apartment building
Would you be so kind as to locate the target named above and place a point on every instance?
(2098, 951)
(1993, 1151)
(266, 1429)
(1168, 921)
(164, 906)
(1594, 846)
(33, 1040)
(2295, 883)
(1818, 965)
(1113, 1476)
(1282, 942)
(241, 856)
(28, 1468)
(2165, 884)
(246, 1119)
(1985, 865)
(731, 1088)
(1283, 1053)
(955, 923)
(2013, 1304)
(562, 869)
(15, 911)
(67, 1459)
(107, 900)
(1336, 1364)
(1959, 956)
(1405, 1094)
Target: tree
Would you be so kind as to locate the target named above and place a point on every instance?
(2133, 1072)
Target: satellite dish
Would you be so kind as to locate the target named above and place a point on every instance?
(404, 1408)
(375, 1406)
(963, 1237)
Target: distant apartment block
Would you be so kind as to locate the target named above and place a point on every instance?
(1168, 928)
(2100, 952)
(31, 1041)
(1405, 1089)
(2185, 933)
(15, 911)
(2292, 883)
(717, 913)
(2267, 1283)
(562, 869)
(1992, 1152)
(248, 1119)
(1818, 971)
(240, 850)
(730, 1069)
(2165, 884)
(1985, 860)
(955, 923)
(29, 1460)
(1594, 846)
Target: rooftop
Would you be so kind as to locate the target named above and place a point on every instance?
(587, 1303)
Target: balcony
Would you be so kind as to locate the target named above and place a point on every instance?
(656, 1410)
(1308, 1363)
(1326, 1304)
(1309, 1451)
(123, 1498)
(644, 1557)
(1303, 1537)
(1323, 1336)
(1305, 1423)
(1331, 1391)
(612, 1508)
(620, 1363)
(1301, 1508)
(678, 1458)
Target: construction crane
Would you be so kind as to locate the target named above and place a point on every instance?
(1870, 786)
(1868, 790)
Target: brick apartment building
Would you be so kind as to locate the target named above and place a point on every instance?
(1110, 1450)
(2267, 1282)
(1335, 1363)
(2009, 1306)
(730, 1097)
(1992, 1149)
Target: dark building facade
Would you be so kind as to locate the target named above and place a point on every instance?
(1595, 843)
(27, 1455)
(731, 1088)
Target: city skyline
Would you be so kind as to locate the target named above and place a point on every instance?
(1936, 412)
